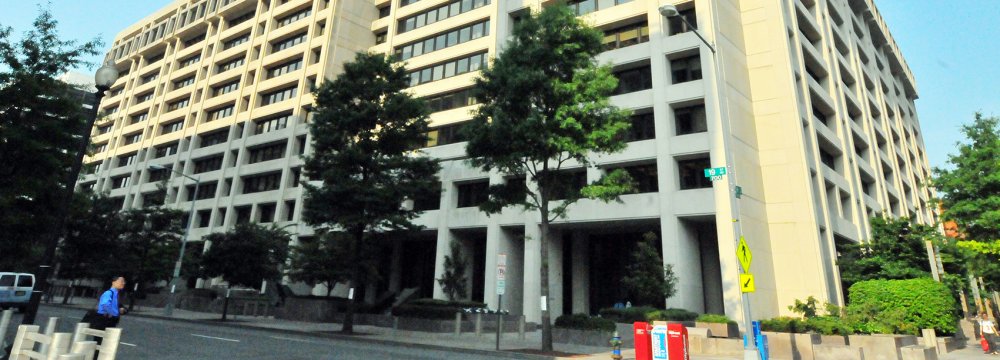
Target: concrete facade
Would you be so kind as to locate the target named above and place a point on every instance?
(821, 128)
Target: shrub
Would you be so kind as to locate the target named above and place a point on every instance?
(715, 318)
(627, 315)
(672, 315)
(433, 308)
(902, 306)
(829, 325)
(584, 322)
(786, 324)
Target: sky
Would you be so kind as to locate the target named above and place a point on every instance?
(951, 46)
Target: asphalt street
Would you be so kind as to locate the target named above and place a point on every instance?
(146, 338)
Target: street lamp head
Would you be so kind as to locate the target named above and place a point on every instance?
(106, 76)
(669, 10)
(156, 167)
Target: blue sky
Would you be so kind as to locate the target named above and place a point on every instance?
(951, 47)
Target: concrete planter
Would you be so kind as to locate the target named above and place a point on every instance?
(727, 330)
(837, 352)
(788, 346)
(833, 339)
(581, 337)
(881, 346)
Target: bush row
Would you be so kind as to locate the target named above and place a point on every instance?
(434, 308)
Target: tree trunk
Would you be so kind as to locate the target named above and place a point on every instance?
(348, 327)
(544, 243)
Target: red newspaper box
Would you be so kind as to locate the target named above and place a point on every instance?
(643, 343)
(677, 342)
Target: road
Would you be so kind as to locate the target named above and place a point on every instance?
(147, 338)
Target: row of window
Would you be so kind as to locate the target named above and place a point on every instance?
(267, 152)
(211, 163)
(179, 104)
(229, 44)
(627, 35)
(293, 17)
(225, 89)
(441, 41)
(448, 69)
(288, 43)
(451, 100)
(231, 64)
(278, 95)
(284, 68)
(439, 13)
(220, 113)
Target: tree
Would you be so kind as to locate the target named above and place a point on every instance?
(970, 194)
(319, 261)
(647, 281)
(545, 105)
(40, 127)
(88, 250)
(246, 255)
(453, 281)
(148, 245)
(364, 132)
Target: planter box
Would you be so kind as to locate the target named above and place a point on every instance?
(881, 346)
(833, 339)
(837, 352)
(581, 337)
(788, 346)
(916, 352)
(699, 345)
(728, 330)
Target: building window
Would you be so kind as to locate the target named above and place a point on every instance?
(208, 164)
(229, 44)
(133, 138)
(473, 194)
(205, 191)
(204, 218)
(231, 64)
(380, 37)
(179, 104)
(166, 150)
(448, 69)
(690, 120)
(220, 113)
(259, 183)
(430, 200)
(154, 58)
(403, 3)
(266, 212)
(277, 96)
(289, 210)
(191, 60)
(828, 159)
(439, 13)
(384, 11)
(284, 68)
(242, 214)
(626, 36)
(692, 173)
(267, 152)
(225, 89)
(678, 26)
(214, 138)
(99, 148)
(444, 40)
(632, 80)
(296, 178)
(183, 82)
(272, 124)
(583, 7)
(452, 100)
(569, 185)
(644, 178)
(293, 18)
(154, 198)
(240, 19)
(127, 159)
(120, 182)
(686, 69)
(448, 134)
(146, 79)
(288, 42)
(137, 118)
(159, 174)
(172, 127)
(643, 127)
(104, 129)
(139, 99)
(194, 40)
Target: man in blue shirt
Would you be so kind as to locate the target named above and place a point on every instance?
(108, 306)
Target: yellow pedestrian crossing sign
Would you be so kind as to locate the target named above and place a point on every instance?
(743, 253)
(746, 283)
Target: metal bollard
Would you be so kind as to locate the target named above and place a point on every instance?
(458, 323)
(520, 326)
(479, 324)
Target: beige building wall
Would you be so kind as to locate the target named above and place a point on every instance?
(810, 101)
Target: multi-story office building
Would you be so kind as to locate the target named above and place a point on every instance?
(817, 101)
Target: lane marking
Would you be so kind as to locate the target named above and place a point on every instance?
(125, 343)
(292, 339)
(216, 338)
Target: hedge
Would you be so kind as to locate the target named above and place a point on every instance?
(714, 318)
(433, 308)
(672, 315)
(824, 325)
(646, 314)
(902, 306)
(584, 322)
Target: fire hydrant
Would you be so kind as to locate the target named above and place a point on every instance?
(616, 347)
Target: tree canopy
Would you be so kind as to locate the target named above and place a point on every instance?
(545, 108)
(247, 255)
(364, 134)
(647, 281)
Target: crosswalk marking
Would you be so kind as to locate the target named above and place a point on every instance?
(216, 338)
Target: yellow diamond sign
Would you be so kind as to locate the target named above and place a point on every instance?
(743, 253)
(746, 283)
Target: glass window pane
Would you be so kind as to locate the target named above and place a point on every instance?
(455, 9)
(418, 49)
(475, 62)
(425, 75)
(452, 38)
(449, 69)
(477, 31)
(463, 66)
(440, 41)
(421, 20)
(464, 35)
(438, 72)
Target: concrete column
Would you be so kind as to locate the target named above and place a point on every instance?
(532, 275)
(681, 250)
(556, 273)
(581, 273)
(449, 198)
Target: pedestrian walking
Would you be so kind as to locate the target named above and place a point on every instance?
(108, 311)
(988, 331)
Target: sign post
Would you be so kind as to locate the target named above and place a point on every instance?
(501, 289)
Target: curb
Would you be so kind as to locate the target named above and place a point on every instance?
(509, 354)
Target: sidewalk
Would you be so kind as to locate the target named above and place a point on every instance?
(510, 344)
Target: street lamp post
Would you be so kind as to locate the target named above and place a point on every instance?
(669, 11)
(169, 309)
(103, 79)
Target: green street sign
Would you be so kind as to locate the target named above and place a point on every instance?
(715, 173)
